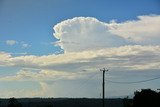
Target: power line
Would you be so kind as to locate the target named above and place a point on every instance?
(133, 82)
(90, 77)
(81, 86)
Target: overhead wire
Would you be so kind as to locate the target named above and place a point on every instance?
(133, 82)
(90, 77)
(80, 86)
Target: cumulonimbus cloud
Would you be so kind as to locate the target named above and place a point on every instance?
(90, 44)
(88, 33)
(85, 33)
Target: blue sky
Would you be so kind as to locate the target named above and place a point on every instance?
(33, 32)
(28, 20)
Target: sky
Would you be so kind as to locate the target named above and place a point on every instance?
(56, 48)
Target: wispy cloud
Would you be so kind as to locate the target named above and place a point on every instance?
(24, 44)
(144, 31)
(21, 53)
(14, 42)
(11, 42)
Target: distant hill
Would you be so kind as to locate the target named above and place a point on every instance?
(63, 102)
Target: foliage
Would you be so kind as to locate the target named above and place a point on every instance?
(14, 103)
(146, 98)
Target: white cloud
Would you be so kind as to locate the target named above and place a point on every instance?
(43, 75)
(21, 53)
(89, 45)
(85, 33)
(4, 58)
(11, 42)
(123, 57)
(145, 30)
(78, 37)
(44, 90)
(25, 45)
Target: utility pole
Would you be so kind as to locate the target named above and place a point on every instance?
(103, 85)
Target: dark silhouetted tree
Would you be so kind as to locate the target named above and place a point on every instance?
(146, 98)
(14, 103)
